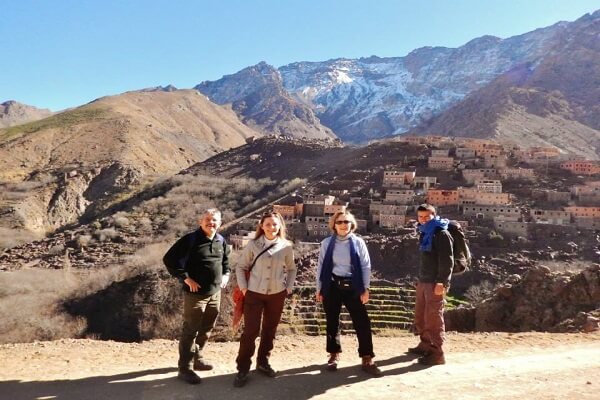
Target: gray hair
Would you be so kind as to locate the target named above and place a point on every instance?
(212, 211)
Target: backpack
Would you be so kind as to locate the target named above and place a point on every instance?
(460, 247)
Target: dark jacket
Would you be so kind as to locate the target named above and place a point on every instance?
(436, 265)
(202, 259)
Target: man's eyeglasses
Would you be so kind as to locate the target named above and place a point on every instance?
(343, 222)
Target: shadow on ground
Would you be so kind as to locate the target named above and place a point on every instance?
(154, 384)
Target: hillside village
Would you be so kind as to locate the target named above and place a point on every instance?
(466, 179)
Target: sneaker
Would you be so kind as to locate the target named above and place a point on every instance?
(332, 363)
(240, 379)
(433, 359)
(370, 367)
(200, 365)
(420, 350)
(266, 370)
(189, 376)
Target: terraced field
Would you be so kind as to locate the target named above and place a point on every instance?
(390, 306)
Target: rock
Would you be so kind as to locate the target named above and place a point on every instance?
(505, 291)
(591, 325)
(537, 273)
(460, 319)
(542, 300)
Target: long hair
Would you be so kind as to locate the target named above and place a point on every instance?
(271, 214)
(349, 216)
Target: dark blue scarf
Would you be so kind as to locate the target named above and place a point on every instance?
(428, 230)
(327, 268)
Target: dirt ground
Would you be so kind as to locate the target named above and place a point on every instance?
(479, 366)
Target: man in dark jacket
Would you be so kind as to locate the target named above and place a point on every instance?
(437, 260)
(199, 259)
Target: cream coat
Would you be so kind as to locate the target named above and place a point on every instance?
(273, 272)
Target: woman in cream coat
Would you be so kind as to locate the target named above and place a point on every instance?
(271, 280)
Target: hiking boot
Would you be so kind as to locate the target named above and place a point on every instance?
(370, 367)
(266, 370)
(433, 359)
(200, 365)
(240, 379)
(189, 376)
(332, 363)
(420, 350)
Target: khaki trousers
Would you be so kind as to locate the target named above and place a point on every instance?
(199, 316)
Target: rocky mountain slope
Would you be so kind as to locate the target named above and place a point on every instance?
(553, 102)
(15, 113)
(367, 98)
(154, 132)
(59, 168)
(257, 95)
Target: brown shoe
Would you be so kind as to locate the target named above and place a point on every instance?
(421, 350)
(433, 359)
(266, 370)
(370, 367)
(200, 365)
(189, 376)
(240, 379)
(332, 363)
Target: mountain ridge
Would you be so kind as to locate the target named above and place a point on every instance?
(372, 97)
(257, 96)
(14, 113)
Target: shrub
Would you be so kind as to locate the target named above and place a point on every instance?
(106, 234)
(36, 294)
(478, 293)
(121, 222)
(96, 224)
(84, 240)
(56, 250)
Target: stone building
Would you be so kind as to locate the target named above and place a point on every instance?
(440, 163)
(439, 197)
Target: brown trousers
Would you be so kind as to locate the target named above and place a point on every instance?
(259, 307)
(429, 316)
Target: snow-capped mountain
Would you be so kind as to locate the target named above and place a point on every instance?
(258, 97)
(554, 102)
(368, 98)
(373, 97)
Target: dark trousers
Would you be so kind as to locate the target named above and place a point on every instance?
(332, 303)
(199, 316)
(259, 307)
(429, 316)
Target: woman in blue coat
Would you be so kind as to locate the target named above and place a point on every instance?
(343, 277)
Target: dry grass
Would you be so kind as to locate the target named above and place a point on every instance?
(62, 120)
(13, 237)
(28, 306)
(39, 294)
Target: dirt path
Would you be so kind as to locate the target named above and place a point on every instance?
(480, 366)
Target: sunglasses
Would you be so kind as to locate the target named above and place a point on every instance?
(342, 222)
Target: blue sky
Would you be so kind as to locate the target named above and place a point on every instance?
(64, 53)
